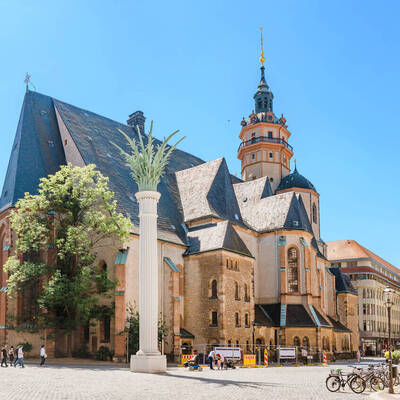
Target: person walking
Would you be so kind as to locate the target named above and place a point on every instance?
(211, 358)
(11, 355)
(20, 357)
(358, 356)
(43, 355)
(4, 356)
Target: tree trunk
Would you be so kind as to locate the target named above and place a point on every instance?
(69, 344)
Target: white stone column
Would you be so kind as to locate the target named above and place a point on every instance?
(148, 358)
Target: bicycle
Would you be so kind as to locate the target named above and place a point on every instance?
(338, 379)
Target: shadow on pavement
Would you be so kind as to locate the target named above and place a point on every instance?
(230, 382)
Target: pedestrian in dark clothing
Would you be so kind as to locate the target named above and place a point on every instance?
(4, 356)
(11, 355)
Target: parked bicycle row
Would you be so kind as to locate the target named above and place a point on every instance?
(358, 378)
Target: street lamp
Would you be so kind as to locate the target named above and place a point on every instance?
(389, 301)
(253, 336)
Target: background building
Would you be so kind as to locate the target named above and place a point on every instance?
(370, 275)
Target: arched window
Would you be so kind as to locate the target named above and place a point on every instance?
(246, 293)
(237, 294)
(214, 290)
(314, 213)
(246, 320)
(229, 343)
(345, 343)
(296, 341)
(214, 318)
(237, 319)
(306, 342)
(325, 343)
(292, 273)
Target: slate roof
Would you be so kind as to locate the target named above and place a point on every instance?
(296, 315)
(216, 236)
(338, 326)
(190, 188)
(322, 320)
(342, 281)
(264, 212)
(262, 318)
(207, 190)
(37, 150)
(295, 180)
(185, 334)
(92, 134)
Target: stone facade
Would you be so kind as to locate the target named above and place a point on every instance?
(238, 260)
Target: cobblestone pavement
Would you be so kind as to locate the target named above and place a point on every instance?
(103, 382)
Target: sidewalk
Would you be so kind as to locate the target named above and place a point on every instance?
(385, 395)
(75, 361)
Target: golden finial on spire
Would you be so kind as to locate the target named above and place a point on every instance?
(262, 59)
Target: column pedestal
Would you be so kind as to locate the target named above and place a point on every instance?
(148, 359)
(151, 364)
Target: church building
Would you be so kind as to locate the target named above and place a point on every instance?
(241, 261)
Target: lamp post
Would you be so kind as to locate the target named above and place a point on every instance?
(253, 336)
(389, 301)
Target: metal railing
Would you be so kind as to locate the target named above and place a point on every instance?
(311, 355)
(266, 140)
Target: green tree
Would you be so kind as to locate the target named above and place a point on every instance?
(72, 216)
(132, 330)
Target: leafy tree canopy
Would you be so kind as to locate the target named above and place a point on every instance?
(58, 233)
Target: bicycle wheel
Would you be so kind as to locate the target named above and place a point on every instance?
(357, 384)
(376, 384)
(332, 383)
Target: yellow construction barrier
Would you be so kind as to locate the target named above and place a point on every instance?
(249, 360)
(185, 357)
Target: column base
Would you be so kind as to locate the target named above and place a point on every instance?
(150, 364)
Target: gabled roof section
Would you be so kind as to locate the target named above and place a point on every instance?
(37, 150)
(216, 236)
(207, 190)
(296, 315)
(342, 281)
(262, 214)
(93, 134)
(263, 211)
(221, 196)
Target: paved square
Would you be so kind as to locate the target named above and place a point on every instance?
(103, 382)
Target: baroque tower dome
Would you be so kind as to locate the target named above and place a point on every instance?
(295, 180)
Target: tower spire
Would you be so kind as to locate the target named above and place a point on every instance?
(262, 59)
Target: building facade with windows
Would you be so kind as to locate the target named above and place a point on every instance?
(370, 275)
(240, 260)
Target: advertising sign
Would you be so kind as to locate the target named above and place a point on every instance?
(287, 352)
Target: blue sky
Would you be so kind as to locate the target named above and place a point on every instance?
(333, 67)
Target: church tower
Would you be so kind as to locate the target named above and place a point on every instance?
(264, 150)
